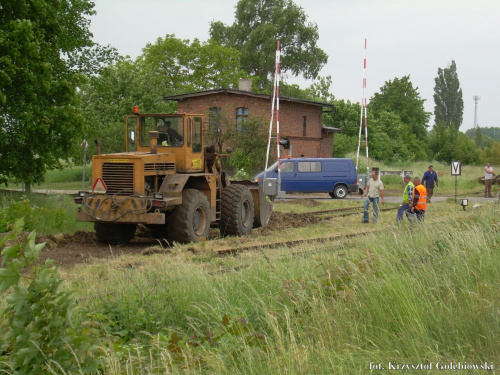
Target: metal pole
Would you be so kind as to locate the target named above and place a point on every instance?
(278, 59)
(366, 117)
(85, 146)
(456, 181)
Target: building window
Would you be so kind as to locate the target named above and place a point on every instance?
(214, 119)
(304, 126)
(241, 118)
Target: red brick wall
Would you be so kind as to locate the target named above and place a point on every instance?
(315, 144)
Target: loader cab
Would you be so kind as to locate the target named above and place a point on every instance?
(178, 134)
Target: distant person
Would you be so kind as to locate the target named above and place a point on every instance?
(407, 195)
(430, 177)
(418, 203)
(488, 180)
(374, 191)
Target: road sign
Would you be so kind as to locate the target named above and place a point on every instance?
(456, 168)
(99, 186)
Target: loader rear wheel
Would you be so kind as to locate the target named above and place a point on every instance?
(237, 212)
(190, 221)
(114, 234)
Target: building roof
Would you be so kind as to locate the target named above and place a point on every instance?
(330, 129)
(182, 97)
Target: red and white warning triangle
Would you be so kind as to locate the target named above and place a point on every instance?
(99, 186)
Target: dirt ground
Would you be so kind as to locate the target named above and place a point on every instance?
(81, 247)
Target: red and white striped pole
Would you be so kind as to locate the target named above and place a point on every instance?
(366, 117)
(363, 109)
(278, 61)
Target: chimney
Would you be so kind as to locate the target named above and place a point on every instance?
(245, 84)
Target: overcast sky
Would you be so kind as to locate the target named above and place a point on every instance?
(405, 37)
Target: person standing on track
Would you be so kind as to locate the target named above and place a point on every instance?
(374, 191)
(428, 180)
(407, 195)
(488, 180)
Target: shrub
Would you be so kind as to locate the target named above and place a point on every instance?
(39, 337)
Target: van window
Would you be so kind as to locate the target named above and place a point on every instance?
(337, 166)
(309, 166)
(287, 167)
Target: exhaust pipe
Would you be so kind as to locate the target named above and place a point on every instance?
(98, 145)
(153, 141)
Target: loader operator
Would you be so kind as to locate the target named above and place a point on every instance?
(169, 136)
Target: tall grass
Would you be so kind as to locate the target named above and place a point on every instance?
(47, 214)
(411, 295)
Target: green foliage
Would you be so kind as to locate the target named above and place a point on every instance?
(168, 66)
(45, 214)
(39, 114)
(254, 32)
(403, 100)
(248, 147)
(345, 116)
(343, 144)
(492, 154)
(449, 103)
(39, 337)
(32, 215)
(448, 144)
(492, 132)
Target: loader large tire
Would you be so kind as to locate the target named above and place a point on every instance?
(190, 221)
(114, 234)
(237, 211)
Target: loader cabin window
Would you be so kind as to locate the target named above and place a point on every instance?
(170, 129)
(197, 129)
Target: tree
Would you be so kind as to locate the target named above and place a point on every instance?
(449, 103)
(167, 67)
(401, 98)
(172, 65)
(258, 23)
(39, 115)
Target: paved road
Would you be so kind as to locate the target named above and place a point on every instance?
(389, 199)
(325, 196)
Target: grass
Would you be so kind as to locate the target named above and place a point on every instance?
(403, 295)
(47, 214)
(66, 179)
(466, 183)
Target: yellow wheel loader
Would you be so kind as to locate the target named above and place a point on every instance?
(169, 181)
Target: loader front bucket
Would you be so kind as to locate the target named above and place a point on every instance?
(261, 206)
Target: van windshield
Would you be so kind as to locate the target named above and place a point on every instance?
(286, 166)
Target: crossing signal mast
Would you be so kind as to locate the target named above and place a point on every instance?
(476, 100)
(363, 110)
(276, 100)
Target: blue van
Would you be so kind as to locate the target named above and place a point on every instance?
(336, 176)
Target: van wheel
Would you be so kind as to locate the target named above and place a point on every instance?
(340, 192)
(114, 234)
(190, 221)
(360, 191)
(237, 211)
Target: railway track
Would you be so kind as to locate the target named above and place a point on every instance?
(339, 212)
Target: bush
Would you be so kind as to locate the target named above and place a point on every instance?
(39, 337)
(32, 215)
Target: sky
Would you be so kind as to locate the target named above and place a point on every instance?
(404, 37)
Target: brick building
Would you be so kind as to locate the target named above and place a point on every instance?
(300, 120)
